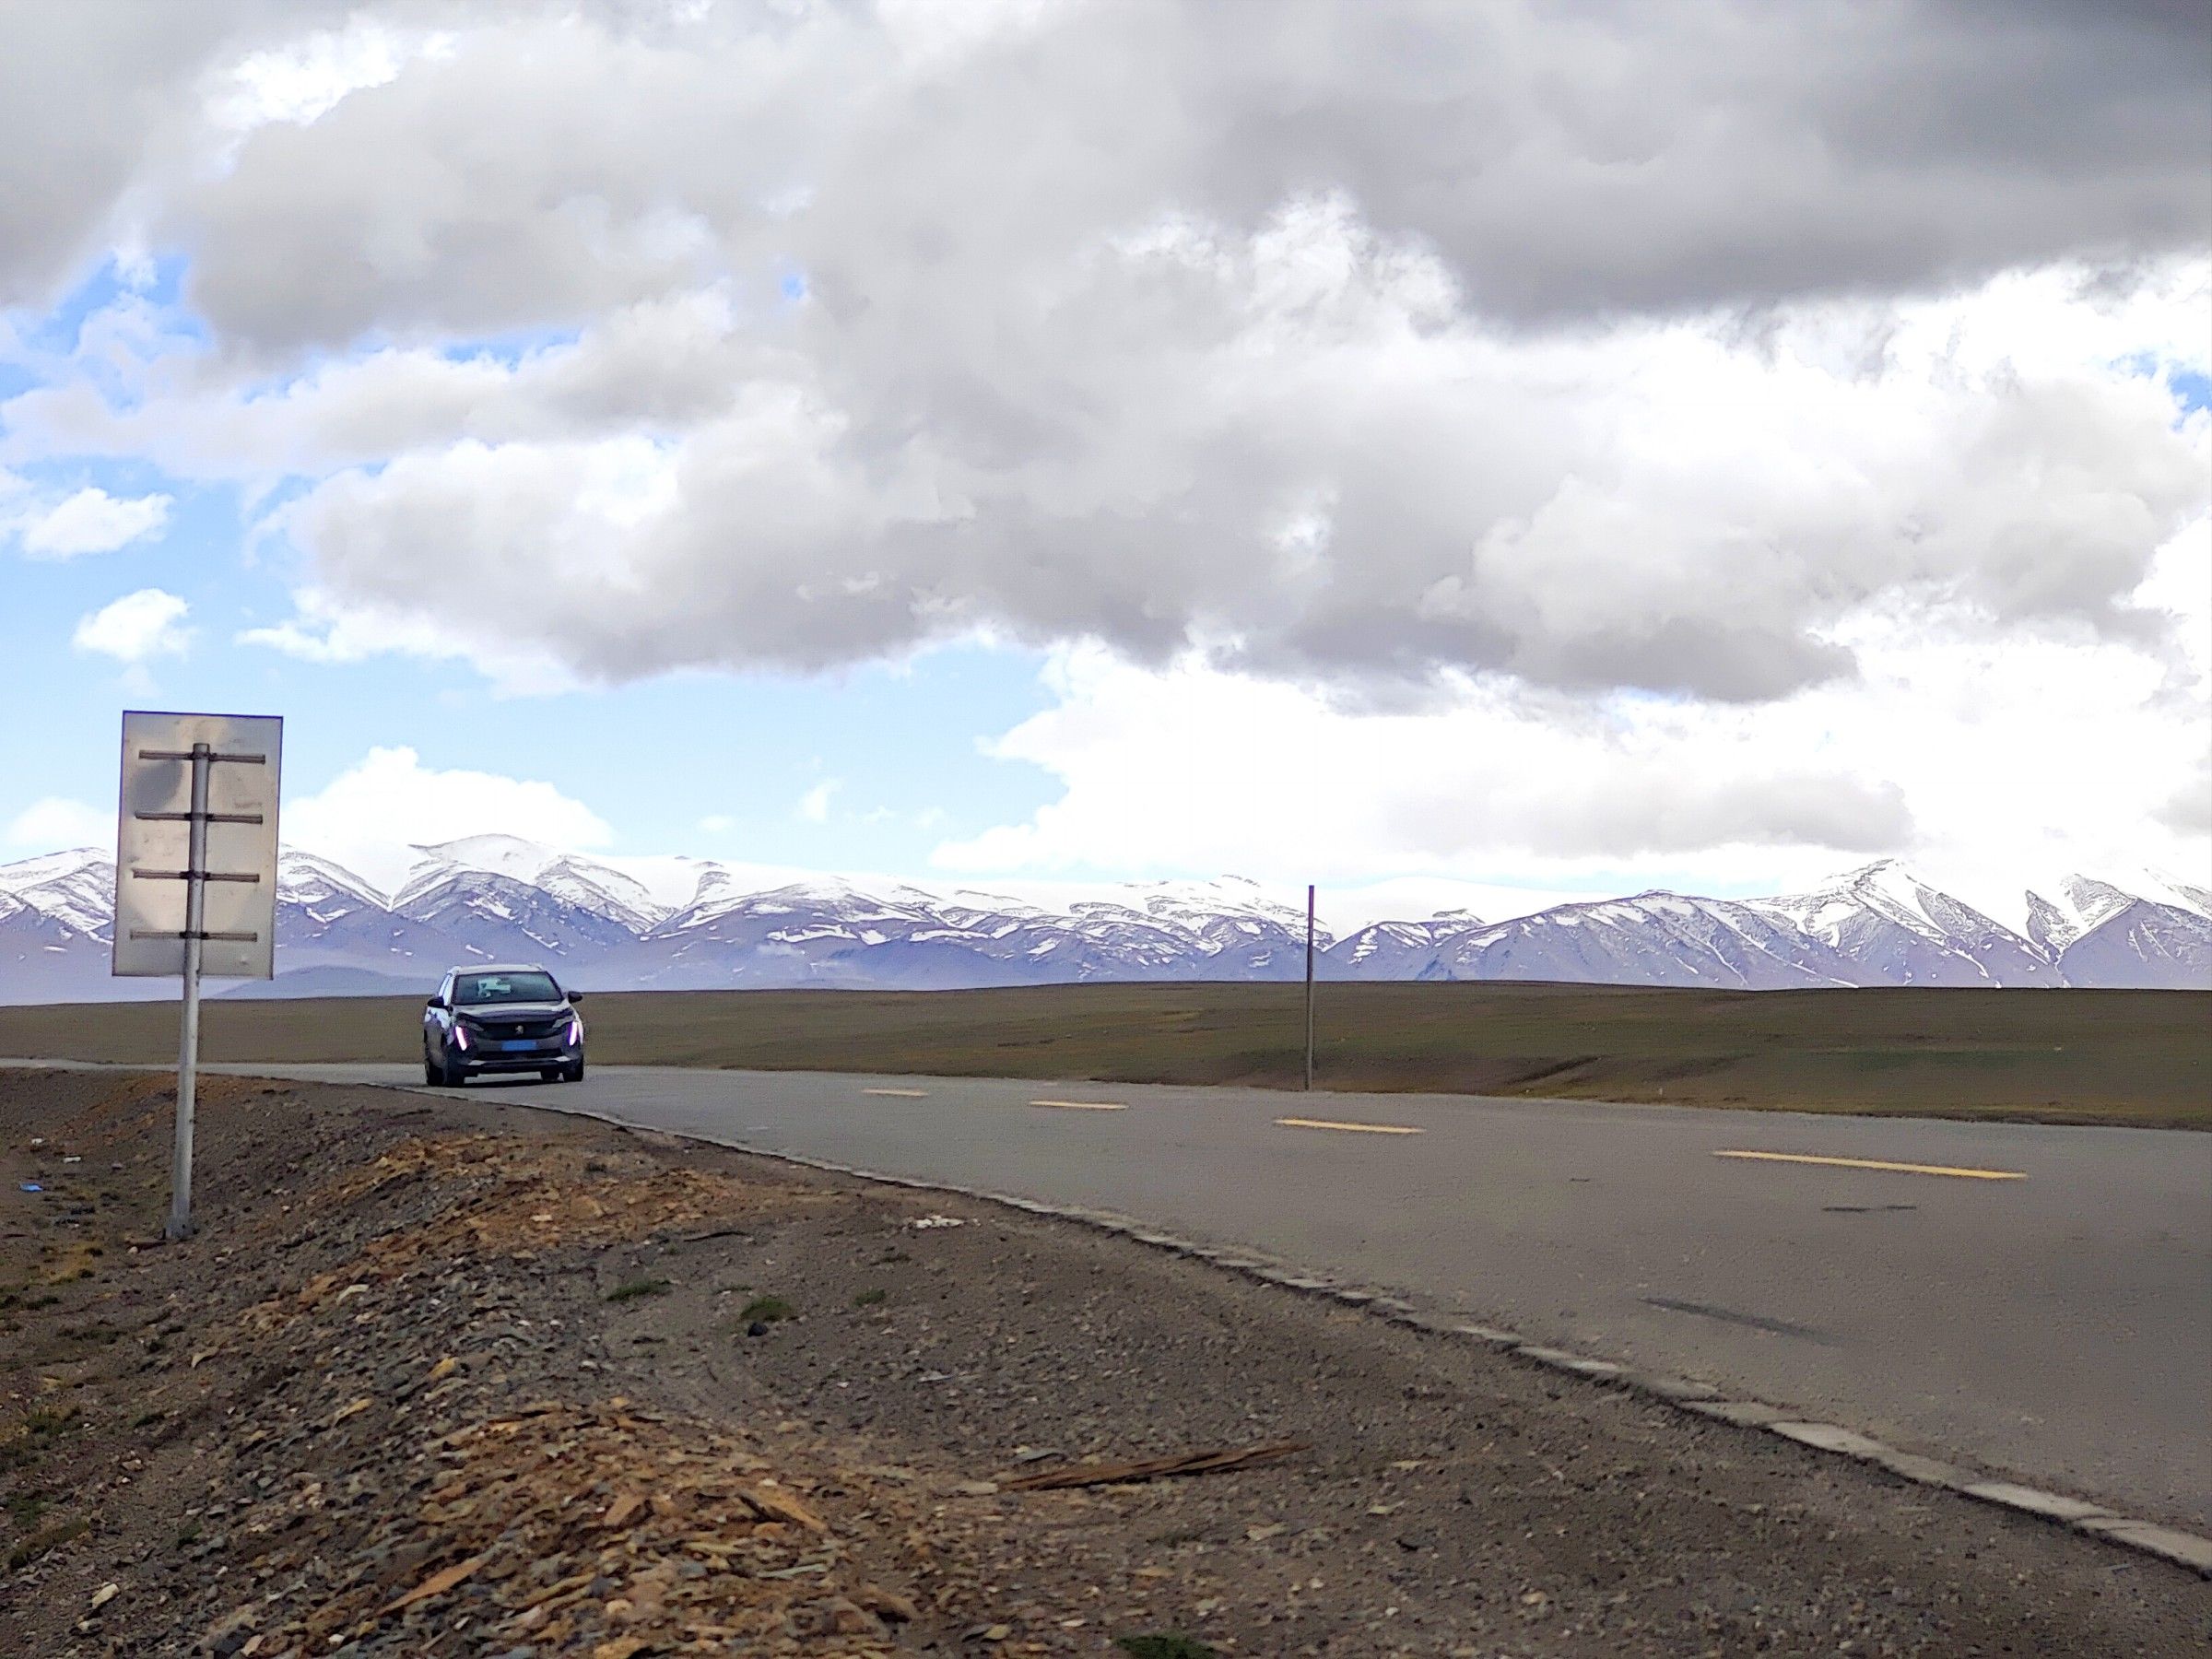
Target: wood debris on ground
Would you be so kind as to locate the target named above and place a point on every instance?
(519, 1199)
(590, 1529)
(1150, 1468)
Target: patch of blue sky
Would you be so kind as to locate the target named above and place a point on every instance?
(158, 284)
(203, 535)
(62, 701)
(102, 333)
(512, 347)
(260, 503)
(2191, 388)
(659, 759)
(118, 475)
(15, 374)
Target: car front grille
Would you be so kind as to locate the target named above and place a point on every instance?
(509, 1028)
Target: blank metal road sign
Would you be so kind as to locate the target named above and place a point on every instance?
(154, 842)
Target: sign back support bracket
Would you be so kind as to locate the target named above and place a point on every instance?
(195, 873)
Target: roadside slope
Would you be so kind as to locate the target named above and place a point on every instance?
(439, 1378)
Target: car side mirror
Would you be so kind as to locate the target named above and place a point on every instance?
(435, 1002)
(575, 996)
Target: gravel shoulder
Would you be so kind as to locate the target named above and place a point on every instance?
(463, 1378)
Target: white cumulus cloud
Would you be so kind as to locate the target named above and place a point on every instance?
(325, 631)
(56, 822)
(1636, 348)
(371, 816)
(92, 521)
(1338, 476)
(1989, 763)
(136, 627)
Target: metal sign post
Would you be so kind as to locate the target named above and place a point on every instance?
(1308, 989)
(208, 781)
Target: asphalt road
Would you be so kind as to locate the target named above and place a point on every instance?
(2045, 1307)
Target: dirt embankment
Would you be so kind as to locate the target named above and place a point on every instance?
(465, 1379)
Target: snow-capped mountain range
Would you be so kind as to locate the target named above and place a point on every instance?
(496, 898)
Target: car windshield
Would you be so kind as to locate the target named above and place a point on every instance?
(505, 988)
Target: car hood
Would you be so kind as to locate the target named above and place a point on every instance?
(537, 1010)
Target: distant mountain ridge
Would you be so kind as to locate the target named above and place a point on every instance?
(491, 897)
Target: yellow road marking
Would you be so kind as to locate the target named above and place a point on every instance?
(900, 1094)
(1876, 1163)
(1083, 1105)
(1347, 1128)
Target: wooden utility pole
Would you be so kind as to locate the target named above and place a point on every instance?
(1308, 988)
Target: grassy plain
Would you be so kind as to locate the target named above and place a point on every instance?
(2141, 1057)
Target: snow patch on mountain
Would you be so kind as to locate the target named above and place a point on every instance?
(509, 855)
(2142, 946)
(1655, 938)
(75, 887)
(2081, 902)
(303, 878)
(1896, 929)
(601, 888)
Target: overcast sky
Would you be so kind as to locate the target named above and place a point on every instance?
(1563, 446)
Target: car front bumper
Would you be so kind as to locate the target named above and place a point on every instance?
(494, 1056)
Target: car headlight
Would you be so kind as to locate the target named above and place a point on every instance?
(575, 1030)
(460, 1035)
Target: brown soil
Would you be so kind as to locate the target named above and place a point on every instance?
(465, 1379)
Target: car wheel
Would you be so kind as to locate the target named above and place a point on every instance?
(575, 1071)
(550, 1074)
(431, 1073)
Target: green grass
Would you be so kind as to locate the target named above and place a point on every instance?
(36, 1436)
(2142, 1058)
(872, 1299)
(637, 1287)
(767, 1309)
(38, 1544)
